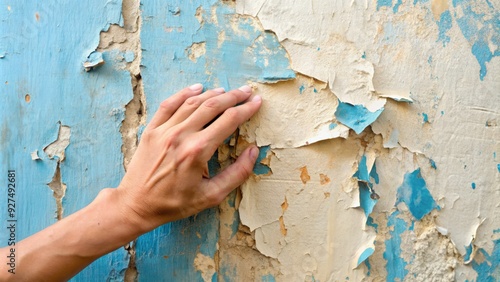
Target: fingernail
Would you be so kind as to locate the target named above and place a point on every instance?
(196, 87)
(246, 88)
(254, 152)
(219, 90)
(256, 98)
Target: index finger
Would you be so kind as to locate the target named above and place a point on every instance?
(227, 123)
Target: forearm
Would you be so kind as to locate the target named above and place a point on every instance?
(72, 243)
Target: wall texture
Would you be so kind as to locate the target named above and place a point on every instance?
(379, 132)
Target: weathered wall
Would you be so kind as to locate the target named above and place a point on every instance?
(378, 133)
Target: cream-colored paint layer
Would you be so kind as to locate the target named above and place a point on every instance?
(447, 117)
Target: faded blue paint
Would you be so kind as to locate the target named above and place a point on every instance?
(259, 168)
(268, 278)
(473, 185)
(45, 60)
(365, 200)
(362, 172)
(315, 90)
(488, 269)
(480, 29)
(368, 267)
(384, 3)
(396, 265)
(332, 126)
(429, 60)
(356, 117)
(498, 167)
(433, 163)
(414, 193)
(365, 255)
(444, 25)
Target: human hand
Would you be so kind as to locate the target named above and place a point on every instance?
(166, 178)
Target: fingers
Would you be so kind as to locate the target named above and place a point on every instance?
(233, 176)
(227, 123)
(190, 105)
(211, 108)
(169, 106)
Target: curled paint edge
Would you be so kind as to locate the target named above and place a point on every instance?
(397, 98)
(94, 59)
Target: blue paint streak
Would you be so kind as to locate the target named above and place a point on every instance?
(332, 126)
(444, 25)
(473, 185)
(268, 278)
(356, 117)
(368, 267)
(259, 168)
(429, 60)
(489, 268)
(433, 163)
(414, 193)
(365, 255)
(365, 201)
(498, 167)
(396, 265)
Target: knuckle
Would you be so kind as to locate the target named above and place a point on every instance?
(165, 105)
(232, 114)
(212, 104)
(193, 101)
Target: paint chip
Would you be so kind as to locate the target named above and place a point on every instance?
(356, 117)
(414, 193)
(94, 60)
(304, 175)
(34, 155)
(323, 179)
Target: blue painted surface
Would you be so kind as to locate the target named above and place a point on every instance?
(414, 193)
(396, 265)
(268, 278)
(332, 126)
(473, 185)
(444, 25)
(45, 60)
(468, 252)
(498, 167)
(433, 163)
(356, 117)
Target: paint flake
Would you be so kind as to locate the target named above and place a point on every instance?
(414, 193)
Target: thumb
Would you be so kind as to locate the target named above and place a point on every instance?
(234, 175)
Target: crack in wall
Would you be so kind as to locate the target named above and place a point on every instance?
(59, 189)
(57, 149)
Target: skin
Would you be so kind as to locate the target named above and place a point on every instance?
(166, 180)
